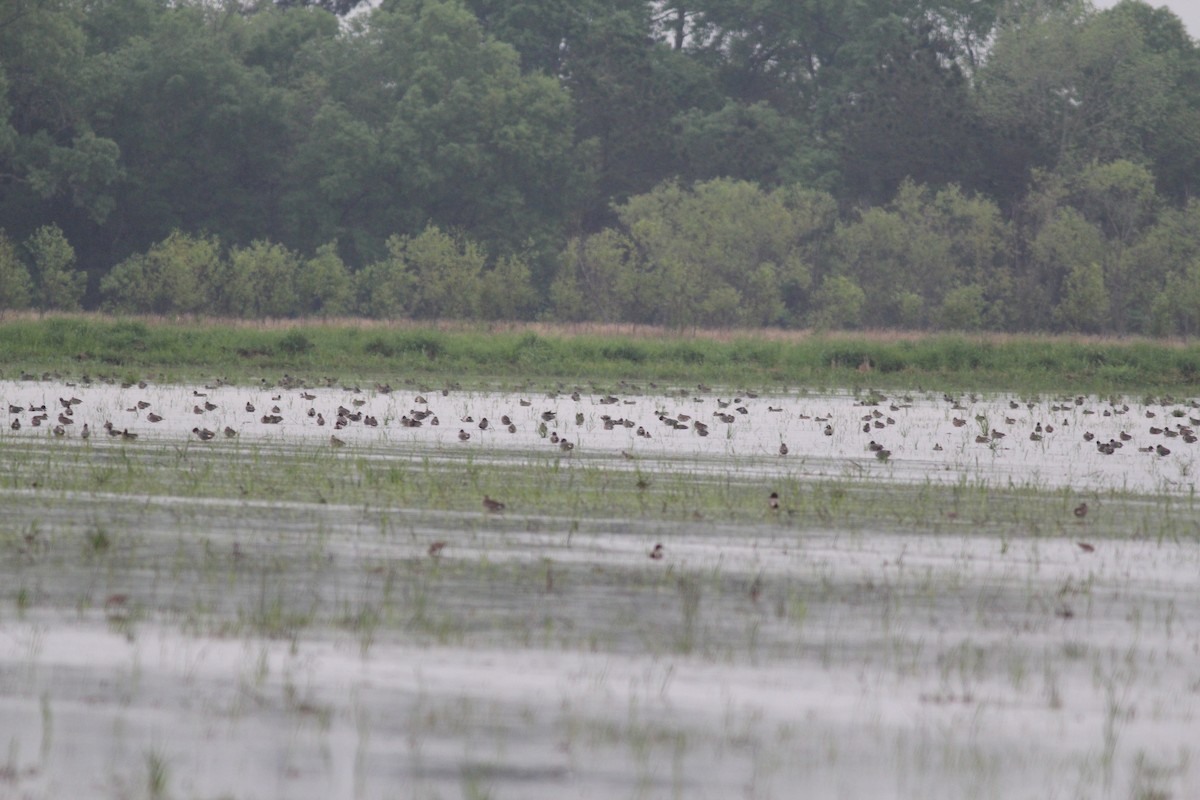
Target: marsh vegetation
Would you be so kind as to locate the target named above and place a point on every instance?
(265, 614)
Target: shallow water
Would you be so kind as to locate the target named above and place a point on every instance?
(919, 431)
(258, 648)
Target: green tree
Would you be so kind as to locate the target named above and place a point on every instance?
(507, 291)
(752, 142)
(383, 288)
(838, 303)
(324, 285)
(1169, 247)
(1121, 200)
(16, 286)
(597, 280)
(1177, 307)
(173, 277)
(60, 287)
(1067, 244)
(881, 85)
(923, 244)
(422, 119)
(632, 96)
(447, 272)
(428, 276)
(202, 136)
(1065, 87)
(264, 278)
(1173, 142)
(963, 308)
(725, 252)
(1084, 305)
(51, 156)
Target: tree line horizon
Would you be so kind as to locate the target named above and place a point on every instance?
(1002, 165)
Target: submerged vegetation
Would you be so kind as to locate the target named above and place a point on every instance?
(132, 349)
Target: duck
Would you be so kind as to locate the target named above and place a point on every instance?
(783, 448)
(203, 434)
(463, 435)
(492, 506)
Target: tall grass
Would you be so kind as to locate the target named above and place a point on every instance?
(160, 349)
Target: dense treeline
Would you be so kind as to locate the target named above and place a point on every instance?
(934, 164)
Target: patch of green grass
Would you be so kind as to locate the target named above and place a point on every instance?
(161, 350)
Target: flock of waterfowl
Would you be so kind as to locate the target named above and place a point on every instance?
(724, 412)
(871, 424)
(223, 411)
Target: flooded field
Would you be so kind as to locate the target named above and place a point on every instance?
(947, 596)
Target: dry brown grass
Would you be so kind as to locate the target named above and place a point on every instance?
(601, 329)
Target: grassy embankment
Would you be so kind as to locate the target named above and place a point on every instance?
(508, 355)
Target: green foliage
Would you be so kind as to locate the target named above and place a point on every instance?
(16, 286)
(174, 276)
(1070, 88)
(1067, 244)
(383, 288)
(724, 253)
(324, 286)
(962, 308)
(507, 292)
(1177, 306)
(1084, 304)
(908, 255)
(705, 164)
(262, 281)
(295, 343)
(60, 287)
(597, 280)
(838, 303)
(427, 276)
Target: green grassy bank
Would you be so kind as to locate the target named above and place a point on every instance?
(124, 349)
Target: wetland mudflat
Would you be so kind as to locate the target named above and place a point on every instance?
(267, 616)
